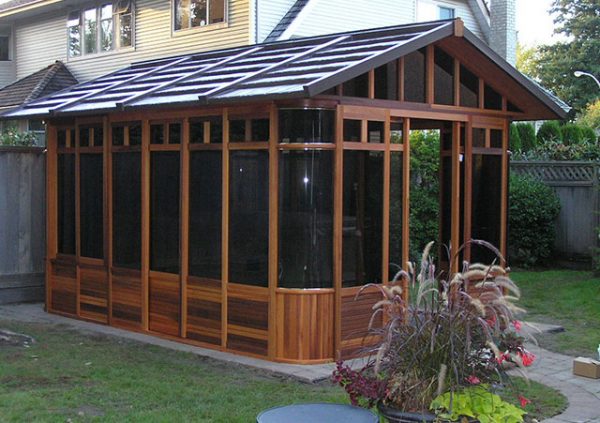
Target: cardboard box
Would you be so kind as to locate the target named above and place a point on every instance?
(586, 367)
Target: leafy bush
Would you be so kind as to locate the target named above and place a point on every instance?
(553, 150)
(591, 116)
(533, 209)
(549, 131)
(12, 137)
(515, 139)
(424, 189)
(571, 134)
(527, 135)
(588, 134)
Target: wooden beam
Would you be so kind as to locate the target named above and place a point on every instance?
(184, 223)
(145, 271)
(401, 79)
(51, 207)
(338, 227)
(481, 98)
(385, 238)
(108, 250)
(468, 200)
(456, 83)
(77, 214)
(372, 84)
(455, 197)
(504, 201)
(430, 75)
(273, 232)
(225, 230)
(405, 201)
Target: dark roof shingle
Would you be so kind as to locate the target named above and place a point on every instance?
(286, 21)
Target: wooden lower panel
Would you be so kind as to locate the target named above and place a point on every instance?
(126, 298)
(356, 314)
(63, 288)
(165, 304)
(204, 311)
(93, 294)
(305, 326)
(247, 319)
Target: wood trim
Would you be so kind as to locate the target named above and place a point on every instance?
(455, 220)
(385, 238)
(468, 200)
(338, 227)
(248, 145)
(273, 231)
(304, 146)
(430, 75)
(405, 203)
(225, 230)
(77, 216)
(481, 93)
(504, 201)
(108, 250)
(145, 181)
(456, 83)
(299, 291)
(51, 207)
(401, 79)
(184, 222)
(364, 146)
(372, 84)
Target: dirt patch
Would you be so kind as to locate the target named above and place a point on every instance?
(12, 339)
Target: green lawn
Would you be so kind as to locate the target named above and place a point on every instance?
(70, 376)
(568, 298)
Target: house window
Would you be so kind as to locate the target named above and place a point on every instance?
(194, 13)
(38, 128)
(446, 12)
(4, 48)
(100, 29)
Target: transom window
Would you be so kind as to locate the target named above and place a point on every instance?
(101, 29)
(196, 13)
(446, 12)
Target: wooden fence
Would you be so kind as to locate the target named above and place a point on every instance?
(577, 185)
(22, 224)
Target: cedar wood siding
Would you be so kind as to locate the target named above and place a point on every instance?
(43, 40)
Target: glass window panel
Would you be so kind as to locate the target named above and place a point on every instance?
(118, 135)
(4, 48)
(249, 217)
(74, 34)
(375, 132)
(106, 27)
(90, 31)
(414, 77)
(174, 133)
(157, 134)
(492, 99)
(182, 14)
(127, 210)
(84, 137)
(216, 130)
(396, 135)
(98, 136)
(198, 12)
(512, 108)
(469, 88)
(357, 87)
(486, 204)
(196, 131)
(260, 129)
(478, 137)
(396, 193)
(164, 212)
(205, 214)
(386, 81)
(446, 12)
(306, 219)
(352, 130)
(91, 216)
(126, 30)
(306, 126)
(362, 218)
(61, 138)
(237, 130)
(496, 138)
(66, 204)
(444, 77)
(216, 11)
(135, 134)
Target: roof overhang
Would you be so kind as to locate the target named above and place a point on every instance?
(300, 68)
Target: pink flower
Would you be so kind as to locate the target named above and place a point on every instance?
(524, 401)
(502, 357)
(527, 358)
(473, 380)
(517, 325)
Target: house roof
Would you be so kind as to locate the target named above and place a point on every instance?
(13, 4)
(297, 68)
(285, 22)
(39, 84)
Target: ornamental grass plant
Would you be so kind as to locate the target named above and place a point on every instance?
(457, 333)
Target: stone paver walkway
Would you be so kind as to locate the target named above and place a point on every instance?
(550, 368)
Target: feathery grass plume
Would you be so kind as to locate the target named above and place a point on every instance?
(442, 379)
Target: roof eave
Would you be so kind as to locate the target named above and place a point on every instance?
(26, 7)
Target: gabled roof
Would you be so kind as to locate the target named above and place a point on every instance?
(285, 22)
(53, 78)
(286, 69)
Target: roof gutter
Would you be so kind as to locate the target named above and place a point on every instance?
(26, 7)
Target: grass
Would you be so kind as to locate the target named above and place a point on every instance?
(71, 376)
(567, 298)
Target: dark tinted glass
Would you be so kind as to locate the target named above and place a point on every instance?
(164, 212)
(84, 137)
(66, 203)
(492, 99)
(386, 81)
(469, 88)
(127, 210)
(61, 138)
(396, 179)
(306, 126)
(306, 219)
(174, 133)
(486, 201)
(196, 131)
(363, 214)
(118, 135)
(352, 130)
(216, 130)
(357, 87)
(205, 214)
(249, 218)
(157, 134)
(512, 108)
(260, 129)
(396, 136)
(414, 77)
(478, 137)
(98, 136)
(375, 132)
(237, 130)
(444, 77)
(496, 138)
(91, 210)
(135, 135)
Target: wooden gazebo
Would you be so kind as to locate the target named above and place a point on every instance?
(237, 199)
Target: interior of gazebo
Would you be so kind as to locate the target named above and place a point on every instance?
(246, 214)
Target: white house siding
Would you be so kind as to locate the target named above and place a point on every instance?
(269, 13)
(427, 10)
(7, 73)
(42, 41)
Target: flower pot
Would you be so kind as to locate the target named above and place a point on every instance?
(393, 415)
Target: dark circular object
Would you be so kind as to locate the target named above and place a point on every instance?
(317, 413)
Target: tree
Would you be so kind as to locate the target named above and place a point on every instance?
(591, 116)
(553, 65)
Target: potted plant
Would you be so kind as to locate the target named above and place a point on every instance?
(443, 352)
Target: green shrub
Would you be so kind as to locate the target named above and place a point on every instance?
(549, 131)
(588, 134)
(515, 139)
(591, 116)
(527, 135)
(12, 137)
(533, 209)
(571, 134)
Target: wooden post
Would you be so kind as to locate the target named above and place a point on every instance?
(52, 209)
(225, 230)
(456, 83)
(504, 201)
(405, 200)
(184, 223)
(468, 201)
(385, 238)
(108, 250)
(77, 216)
(273, 230)
(430, 74)
(455, 202)
(145, 223)
(338, 193)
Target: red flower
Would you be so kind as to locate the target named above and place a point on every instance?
(524, 401)
(473, 380)
(527, 358)
(517, 325)
(503, 357)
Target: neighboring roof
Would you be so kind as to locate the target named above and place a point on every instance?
(298, 68)
(285, 22)
(53, 78)
(12, 4)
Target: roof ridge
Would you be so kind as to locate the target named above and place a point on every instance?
(51, 70)
(287, 19)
